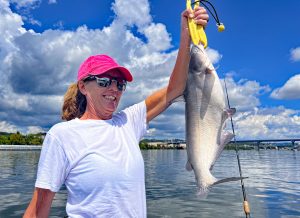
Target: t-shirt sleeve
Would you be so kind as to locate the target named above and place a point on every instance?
(52, 165)
(137, 115)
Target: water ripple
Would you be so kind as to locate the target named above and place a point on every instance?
(273, 186)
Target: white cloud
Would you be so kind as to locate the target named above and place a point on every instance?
(7, 127)
(25, 3)
(213, 55)
(268, 123)
(10, 27)
(158, 37)
(36, 69)
(243, 94)
(34, 130)
(39, 66)
(59, 25)
(24, 8)
(52, 2)
(131, 12)
(290, 90)
(295, 54)
(172, 120)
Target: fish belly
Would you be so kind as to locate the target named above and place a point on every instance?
(202, 143)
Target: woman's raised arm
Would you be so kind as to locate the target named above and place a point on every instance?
(161, 99)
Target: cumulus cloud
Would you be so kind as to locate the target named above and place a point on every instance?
(25, 3)
(252, 120)
(172, 120)
(34, 130)
(213, 55)
(10, 27)
(244, 94)
(290, 90)
(52, 2)
(131, 13)
(268, 123)
(7, 127)
(295, 54)
(36, 69)
(24, 8)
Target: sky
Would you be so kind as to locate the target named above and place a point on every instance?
(43, 42)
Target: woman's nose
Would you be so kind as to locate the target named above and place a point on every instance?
(113, 85)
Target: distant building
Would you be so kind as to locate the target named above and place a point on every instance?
(166, 145)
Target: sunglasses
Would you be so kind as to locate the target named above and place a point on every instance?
(106, 82)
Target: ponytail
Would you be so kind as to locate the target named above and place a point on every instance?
(74, 103)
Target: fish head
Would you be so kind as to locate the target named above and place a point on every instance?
(200, 62)
(201, 74)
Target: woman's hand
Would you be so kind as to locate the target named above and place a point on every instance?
(199, 15)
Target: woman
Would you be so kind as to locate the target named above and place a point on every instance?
(96, 154)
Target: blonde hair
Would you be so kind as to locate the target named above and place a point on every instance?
(74, 103)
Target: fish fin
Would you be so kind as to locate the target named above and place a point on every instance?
(188, 166)
(180, 98)
(228, 113)
(230, 179)
(225, 138)
(231, 111)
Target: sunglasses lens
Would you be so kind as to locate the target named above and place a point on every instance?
(105, 82)
(121, 86)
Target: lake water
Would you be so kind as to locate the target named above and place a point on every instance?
(273, 186)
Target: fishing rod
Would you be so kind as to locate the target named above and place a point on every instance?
(246, 204)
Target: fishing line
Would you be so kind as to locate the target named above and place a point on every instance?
(214, 15)
(246, 204)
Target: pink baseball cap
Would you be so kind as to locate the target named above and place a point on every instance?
(99, 64)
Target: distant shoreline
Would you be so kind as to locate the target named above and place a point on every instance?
(20, 147)
(147, 147)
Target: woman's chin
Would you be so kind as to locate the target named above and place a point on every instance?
(111, 107)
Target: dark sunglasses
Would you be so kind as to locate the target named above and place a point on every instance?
(106, 82)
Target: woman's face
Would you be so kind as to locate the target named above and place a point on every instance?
(103, 101)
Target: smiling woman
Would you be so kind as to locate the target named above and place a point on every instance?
(96, 152)
(95, 96)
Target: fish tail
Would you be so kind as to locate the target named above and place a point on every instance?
(230, 179)
(204, 186)
(203, 192)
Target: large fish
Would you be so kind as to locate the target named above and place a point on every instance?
(205, 113)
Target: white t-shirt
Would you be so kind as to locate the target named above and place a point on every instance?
(100, 163)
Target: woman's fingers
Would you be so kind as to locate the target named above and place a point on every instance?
(200, 16)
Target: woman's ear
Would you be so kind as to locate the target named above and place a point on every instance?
(81, 87)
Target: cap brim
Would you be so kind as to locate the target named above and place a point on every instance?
(125, 72)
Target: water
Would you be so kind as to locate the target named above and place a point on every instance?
(273, 186)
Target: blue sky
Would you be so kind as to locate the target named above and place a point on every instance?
(44, 41)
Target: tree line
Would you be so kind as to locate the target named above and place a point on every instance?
(37, 139)
(20, 139)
